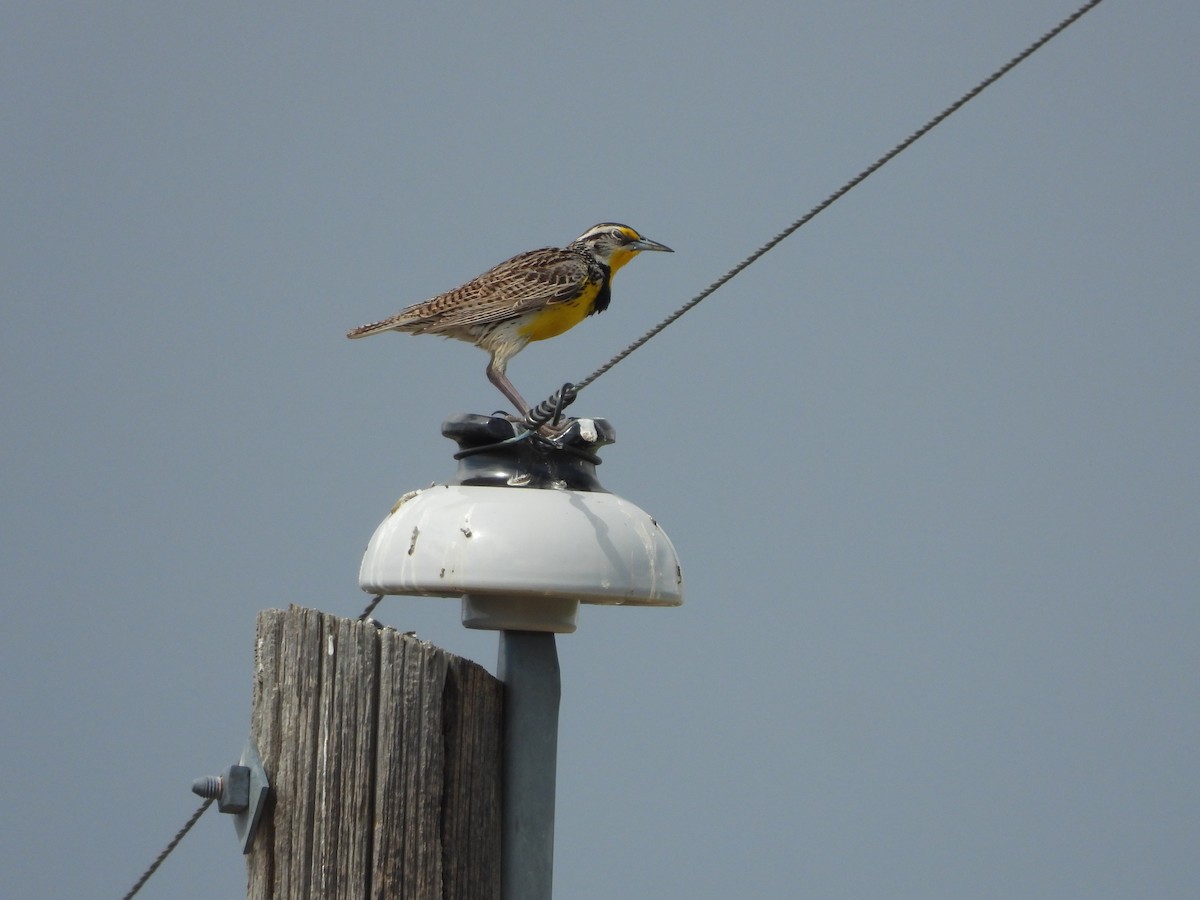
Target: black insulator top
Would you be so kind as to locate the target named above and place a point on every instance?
(495, 451)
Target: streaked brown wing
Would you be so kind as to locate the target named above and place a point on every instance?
(529, 281)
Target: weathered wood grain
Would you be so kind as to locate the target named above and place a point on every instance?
(384, 758)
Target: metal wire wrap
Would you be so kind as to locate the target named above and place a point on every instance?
(550, 409)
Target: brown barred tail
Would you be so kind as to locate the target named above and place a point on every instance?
(373, 328)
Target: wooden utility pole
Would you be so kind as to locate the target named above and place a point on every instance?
(384, 755)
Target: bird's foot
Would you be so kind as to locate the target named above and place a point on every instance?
(555, 432)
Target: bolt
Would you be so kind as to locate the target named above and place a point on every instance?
(208, 786)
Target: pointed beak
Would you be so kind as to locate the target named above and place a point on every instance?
(647, 244)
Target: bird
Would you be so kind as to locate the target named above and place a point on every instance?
(535, 295)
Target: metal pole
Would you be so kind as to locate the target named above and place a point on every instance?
(528, 666)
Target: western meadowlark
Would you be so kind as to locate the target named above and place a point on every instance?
(531, 297)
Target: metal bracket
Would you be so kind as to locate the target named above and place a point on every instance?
(241, 790)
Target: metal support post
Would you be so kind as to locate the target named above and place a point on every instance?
(528, 666)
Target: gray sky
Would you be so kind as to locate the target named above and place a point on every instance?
(930, 465)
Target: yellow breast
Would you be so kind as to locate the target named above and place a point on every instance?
(554, 320)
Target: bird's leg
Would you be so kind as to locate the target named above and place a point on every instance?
(495, 374)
